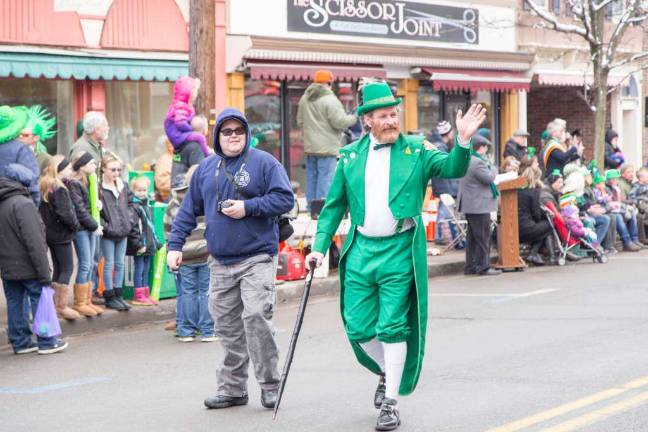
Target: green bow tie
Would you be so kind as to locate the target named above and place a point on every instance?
(379, 146)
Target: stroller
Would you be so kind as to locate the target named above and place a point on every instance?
(564, 239)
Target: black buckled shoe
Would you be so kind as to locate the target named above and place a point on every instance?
(223, 401)
(380, 392)
(269, 398)
(389, 417)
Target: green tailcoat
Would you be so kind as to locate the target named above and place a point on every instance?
(411, 166)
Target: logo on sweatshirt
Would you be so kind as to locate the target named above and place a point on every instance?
(242, 178)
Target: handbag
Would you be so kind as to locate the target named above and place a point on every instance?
(46, 323)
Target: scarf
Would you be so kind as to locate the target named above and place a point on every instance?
(493, 187)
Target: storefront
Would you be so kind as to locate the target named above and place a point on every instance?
(72, 57)
(438, 56)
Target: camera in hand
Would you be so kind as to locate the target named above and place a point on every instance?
(224, 204)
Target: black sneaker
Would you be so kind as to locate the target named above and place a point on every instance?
(32, 347)
(269, 398)
(389, 417)
(379, 397)
(222, 401)
(60, 346)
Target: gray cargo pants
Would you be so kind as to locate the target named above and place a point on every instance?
(242, 301)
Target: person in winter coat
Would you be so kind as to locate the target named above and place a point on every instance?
(445, 185)
(188, 154)
(639, 197)
(12, 150)
(613, 155)
(116, 223)
(87, 237)
(241, 191)
(626, 180)
(625, 216)
(177, 123)
(322, 119)
(555, 154)
(516, 146)
(23, 262)
(142, 244)
(535, 229)
(95, 131)
(61, 224)
(477, 199)
(192, 282)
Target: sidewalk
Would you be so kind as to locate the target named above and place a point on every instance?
(450, 263)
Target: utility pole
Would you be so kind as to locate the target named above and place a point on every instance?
(202, 58)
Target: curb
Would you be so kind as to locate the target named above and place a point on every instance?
(287, 292)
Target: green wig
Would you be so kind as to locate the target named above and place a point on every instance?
(41, 122)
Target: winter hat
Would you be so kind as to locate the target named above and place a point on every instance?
(323, 76)
(12, 122)
(612, 174)
(521, 133)
(84, 159)
(377, 95)
(485, 132)
(610, 134)
(554, 176)
(444, 128)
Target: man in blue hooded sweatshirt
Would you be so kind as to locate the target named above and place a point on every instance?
(241, 191)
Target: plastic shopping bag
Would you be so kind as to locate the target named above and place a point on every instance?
(46, 323)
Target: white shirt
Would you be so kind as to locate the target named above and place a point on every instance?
(379, 220)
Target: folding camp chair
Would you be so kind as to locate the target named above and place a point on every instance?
(460, 224)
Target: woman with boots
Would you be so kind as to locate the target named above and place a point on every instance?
(116, 223)
(535, 229)
(57, 213)
(85, 240)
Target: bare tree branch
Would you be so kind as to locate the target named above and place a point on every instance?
(553, 21)
(630, 59)
(598, 7)
(618, 32)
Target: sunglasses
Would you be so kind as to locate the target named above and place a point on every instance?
(115, 169)
(228, 132)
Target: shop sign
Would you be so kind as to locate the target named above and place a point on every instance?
(385, 18)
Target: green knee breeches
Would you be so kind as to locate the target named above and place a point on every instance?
(378, 280)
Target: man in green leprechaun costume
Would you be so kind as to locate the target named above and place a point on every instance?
(381, 179)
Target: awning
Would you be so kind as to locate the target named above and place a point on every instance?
(21, 65)
(576, 79)
(473, 80)
(304, 72)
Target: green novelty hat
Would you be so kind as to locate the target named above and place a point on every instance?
(377, 95)
(12, 122)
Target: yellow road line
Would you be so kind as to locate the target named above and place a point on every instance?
(570, 406)
(599, 414)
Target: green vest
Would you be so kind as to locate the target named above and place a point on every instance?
(411, 167)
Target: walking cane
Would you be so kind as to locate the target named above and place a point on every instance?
(295, 335)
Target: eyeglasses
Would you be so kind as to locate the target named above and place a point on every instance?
(115, 169)
(228, 132)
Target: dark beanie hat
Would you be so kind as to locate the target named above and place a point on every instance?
(84, 159)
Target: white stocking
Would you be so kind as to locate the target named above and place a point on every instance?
(395, 354)
(374, 349)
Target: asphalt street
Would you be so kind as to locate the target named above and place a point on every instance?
(550, 349)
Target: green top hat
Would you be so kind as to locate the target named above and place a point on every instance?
(377, 95)
(12, 122)
(612, 174)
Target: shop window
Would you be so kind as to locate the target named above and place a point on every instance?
(263, 112)
(55, 96)
(631, 90)
(136, 111)
(428, 103)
